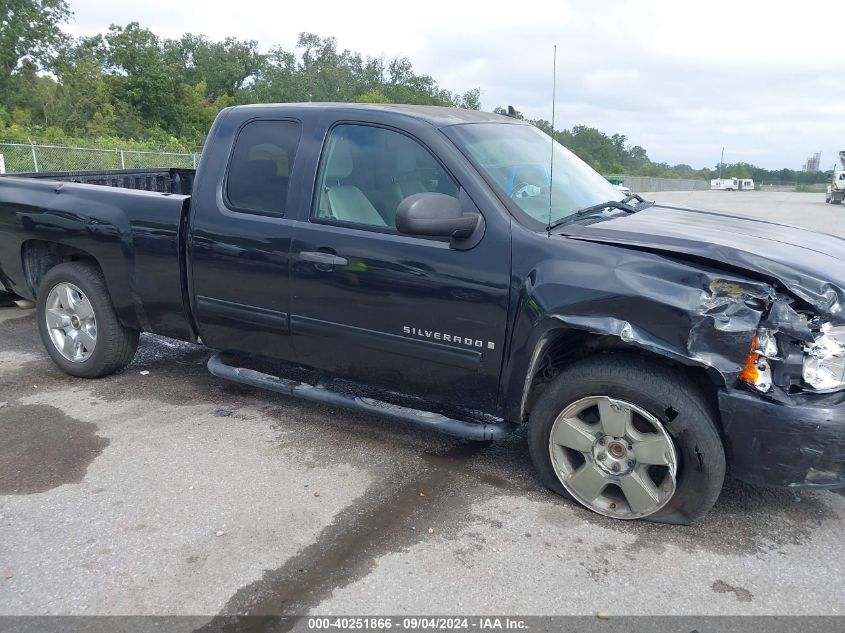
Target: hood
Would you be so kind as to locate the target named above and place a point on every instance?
(809, 264)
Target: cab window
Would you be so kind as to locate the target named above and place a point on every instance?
(260, 167)
(367, 171)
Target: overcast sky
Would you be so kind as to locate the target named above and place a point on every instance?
(764, 79)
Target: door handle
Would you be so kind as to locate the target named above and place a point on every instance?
(321, 257)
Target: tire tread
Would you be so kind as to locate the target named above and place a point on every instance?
(119, 343)
(634, 372)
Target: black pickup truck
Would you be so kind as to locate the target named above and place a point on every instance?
(434, 266)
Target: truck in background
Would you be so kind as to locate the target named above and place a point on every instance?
(732, 184)
(836, 189)
(619, 183)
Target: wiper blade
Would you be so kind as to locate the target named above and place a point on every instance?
(610, 204)
(633, 196)
(642, 202)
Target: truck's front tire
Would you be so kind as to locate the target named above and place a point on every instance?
(7, 299)
(628, 438)
(78, 324)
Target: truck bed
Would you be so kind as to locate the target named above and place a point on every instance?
(122, 219)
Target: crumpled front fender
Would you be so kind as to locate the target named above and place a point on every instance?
(684, 311)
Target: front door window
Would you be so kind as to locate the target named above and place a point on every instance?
(367, 171)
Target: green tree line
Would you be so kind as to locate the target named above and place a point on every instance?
(613, 154)
(129, 83)
(132, 89)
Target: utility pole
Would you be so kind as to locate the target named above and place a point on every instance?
(721, 162)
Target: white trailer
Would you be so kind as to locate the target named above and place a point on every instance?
(725, 184)
(732, 184)
(836, 189)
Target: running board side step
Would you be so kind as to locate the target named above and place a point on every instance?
(480, 431)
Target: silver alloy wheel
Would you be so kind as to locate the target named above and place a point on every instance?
(71, 322)
(613, 457)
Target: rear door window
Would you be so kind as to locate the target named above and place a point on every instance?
(260, 167)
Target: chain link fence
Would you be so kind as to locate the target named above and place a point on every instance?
(647, 183)
(23, 158)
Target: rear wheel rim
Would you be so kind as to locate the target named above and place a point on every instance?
(71, 322)
(613, 457)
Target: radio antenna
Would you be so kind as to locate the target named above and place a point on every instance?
(552, 160)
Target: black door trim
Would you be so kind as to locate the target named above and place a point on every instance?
(242, 313)
(393, 343)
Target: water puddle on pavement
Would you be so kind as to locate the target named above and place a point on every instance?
(43, 448)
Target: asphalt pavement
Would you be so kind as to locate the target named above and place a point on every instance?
(164, 490)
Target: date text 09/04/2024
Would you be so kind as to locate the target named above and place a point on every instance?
(417, 623)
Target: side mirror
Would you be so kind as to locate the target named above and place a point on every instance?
(435, 215)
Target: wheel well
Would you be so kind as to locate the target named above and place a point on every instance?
(39, 256)
(570, 346)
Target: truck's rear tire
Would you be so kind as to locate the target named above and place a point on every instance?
(628, 438)
(78, 324)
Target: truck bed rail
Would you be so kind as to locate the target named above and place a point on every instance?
(164, 180)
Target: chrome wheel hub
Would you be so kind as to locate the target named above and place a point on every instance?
(613, 457)
(71, 322)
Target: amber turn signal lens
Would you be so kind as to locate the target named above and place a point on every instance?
(750, 373)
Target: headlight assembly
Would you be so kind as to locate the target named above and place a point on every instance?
(824, 359)
(778, 360)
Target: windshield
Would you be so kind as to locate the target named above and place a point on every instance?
(517, 159)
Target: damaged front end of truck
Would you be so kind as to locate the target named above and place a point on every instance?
(787, 427)
(770, 337)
